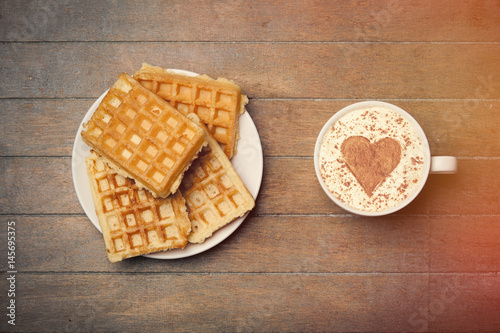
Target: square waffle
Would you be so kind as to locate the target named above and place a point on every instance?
(132, 221)
(218, 103)
(214, 192)
(143, 137)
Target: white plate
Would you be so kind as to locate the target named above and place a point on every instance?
(248, 162)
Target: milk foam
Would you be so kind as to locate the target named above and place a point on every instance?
(374, 123)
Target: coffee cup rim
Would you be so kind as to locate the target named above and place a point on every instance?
(365, 104)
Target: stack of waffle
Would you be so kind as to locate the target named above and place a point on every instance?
(158, 176)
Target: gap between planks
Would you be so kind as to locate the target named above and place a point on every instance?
(325, 274)
(249, 42)
(283, 99)
(274, 157)
(279, 215)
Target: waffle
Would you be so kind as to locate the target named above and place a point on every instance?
(132, 221)
(143, 137)
(218, 103)
(215, 194)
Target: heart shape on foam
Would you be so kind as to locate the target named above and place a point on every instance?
(371, 163)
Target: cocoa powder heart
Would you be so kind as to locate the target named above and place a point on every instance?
(371, 163)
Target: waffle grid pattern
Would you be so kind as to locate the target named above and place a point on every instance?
(214, 193)
(143, 135)
(217, 104)
(133, 222)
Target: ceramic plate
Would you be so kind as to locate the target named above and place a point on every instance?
(248, 162)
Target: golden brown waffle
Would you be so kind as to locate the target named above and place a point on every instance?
(143, 137)
(214, 192)
(218, 103)
(132, 221)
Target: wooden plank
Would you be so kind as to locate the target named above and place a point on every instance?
(289, 186)
(37, 185)
(457, 128)
(286, 127)
(281, 70)
(275, 302)
(267, 244)
(466, 244)
(217, 302)
(261, 244)
(361, 21)
(462, 303)
(31, 127)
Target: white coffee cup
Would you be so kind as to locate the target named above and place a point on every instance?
(432, 164)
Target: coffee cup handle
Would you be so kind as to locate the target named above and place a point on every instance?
(444, 165)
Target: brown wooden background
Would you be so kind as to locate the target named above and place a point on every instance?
(298, 263)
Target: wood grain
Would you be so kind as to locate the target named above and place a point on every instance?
(298, 262)
(241, 302)
(455, 128)
(31, 185)
(453, 300)
(270, 21)
(43, 123)
(289, 186)
(264, 70)
(289, 244)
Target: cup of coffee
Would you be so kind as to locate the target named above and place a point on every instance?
(372, 158)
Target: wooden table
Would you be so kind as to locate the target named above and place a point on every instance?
(298, 262)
